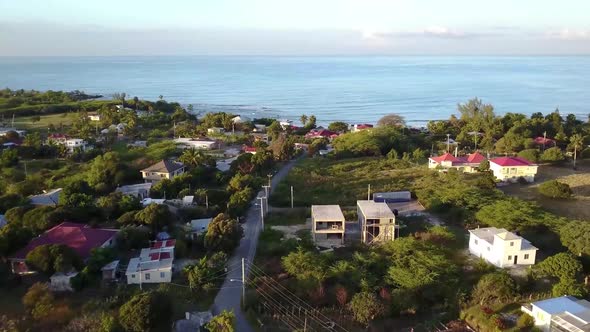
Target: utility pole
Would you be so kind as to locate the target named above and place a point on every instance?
(139, 268)
(291, 197)
(207, 201)
(269, 176)
(262, 210)
(448, 142)
(243, 282)
(369, 192)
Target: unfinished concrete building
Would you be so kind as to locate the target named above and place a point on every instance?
(376, 222)
(328, 224)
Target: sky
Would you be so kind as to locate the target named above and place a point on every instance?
(294, 27)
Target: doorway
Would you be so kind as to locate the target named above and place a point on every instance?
(515, 259)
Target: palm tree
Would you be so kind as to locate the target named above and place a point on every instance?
(194, 158)
(135, 102)
(303, 119)
(577, 141)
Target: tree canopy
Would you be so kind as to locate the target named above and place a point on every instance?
(575, 235)
(223, 234)
(145, 312)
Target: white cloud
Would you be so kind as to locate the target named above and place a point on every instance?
(431, 31)
(570, 34)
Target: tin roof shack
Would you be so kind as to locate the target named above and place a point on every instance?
(376, 222)
(328, 225)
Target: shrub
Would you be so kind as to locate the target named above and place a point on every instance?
(145, 311)
(553, 155)
(555, 189)
(531, 155)
(525, 321)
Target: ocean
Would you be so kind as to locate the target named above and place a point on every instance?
(350, 89)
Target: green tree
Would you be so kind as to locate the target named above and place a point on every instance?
(311, 122)
(555, 189)
(575, 235)
(206, 271)
(39, 301)
(484, 165)
(563, 266)
(338, 126)
(577, 143)
(8, 158)
(155, 215)
(224, 322)
(132, 238)
(194, 158)
(365, 307)
(569, 287)
(303, 119)
(531, 155)
(511, 213)
(494, 287)
(223, 234)
(50, 258)
(553, 154)
(146, 312)
(103, 169)
(305, 265)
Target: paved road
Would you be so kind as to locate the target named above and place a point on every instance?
(230, 294)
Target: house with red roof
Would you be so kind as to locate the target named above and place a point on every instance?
(154, 264)
(512, 168)
(81, 238)
(468, 164)
(361, 126)
(321, 133)
(249, 149)
(546, 142)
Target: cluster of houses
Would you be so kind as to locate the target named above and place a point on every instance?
(375, 223)
(509, 169)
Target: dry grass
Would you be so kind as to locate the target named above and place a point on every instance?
(579, 180)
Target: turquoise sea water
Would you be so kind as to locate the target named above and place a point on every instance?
(351, 89)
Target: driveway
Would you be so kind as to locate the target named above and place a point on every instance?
(230, 294)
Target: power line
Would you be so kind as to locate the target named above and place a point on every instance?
(316, 315)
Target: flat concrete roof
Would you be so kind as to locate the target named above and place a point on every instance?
(326, 213)
(374, 210)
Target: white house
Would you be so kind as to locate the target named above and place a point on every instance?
(501, 247)
(376, 222)
(215, 130)
(565, 313)
(62, 282)
(512, 168)
(187, 143)
(48, 198)
(140, 190)
(164, 169)
(198, 226)
(154, 264)
(94, 117)
(328, 224)
(240, 119)
(75, 143)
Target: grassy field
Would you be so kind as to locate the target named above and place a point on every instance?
(579, 181)
(64, 119)
(287, 217)
(327, 181)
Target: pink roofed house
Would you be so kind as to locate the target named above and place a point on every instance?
(467, 164)
(81, 238)
(321, 133)
(512, 168)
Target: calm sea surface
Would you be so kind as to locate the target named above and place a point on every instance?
(351, 89)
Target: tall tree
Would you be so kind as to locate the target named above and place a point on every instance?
(303, 119)
(224, 322)
(576, 142)
(394, 120)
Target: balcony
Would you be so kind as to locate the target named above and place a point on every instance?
(336, 226)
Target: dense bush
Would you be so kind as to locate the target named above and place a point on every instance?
(531, 155)
(555, 189)
(553, 154)
(145, 312)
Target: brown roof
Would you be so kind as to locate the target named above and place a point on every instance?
(164, 166)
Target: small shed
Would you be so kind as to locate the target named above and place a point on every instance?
(62, 282)
(198, 226)
(109, 271)
(188, 200)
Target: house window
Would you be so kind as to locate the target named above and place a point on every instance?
(147, 276)
(162, 275)
(509, 257)
(132, 276)
(488, 248)
(512, 244)
(526, 256)
(475, 241)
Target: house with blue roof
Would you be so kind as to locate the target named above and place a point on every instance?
(565, 313)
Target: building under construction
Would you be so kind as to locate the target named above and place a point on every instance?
(376, 222)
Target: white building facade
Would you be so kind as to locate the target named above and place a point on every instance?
(154, 264)
(565, 313)
(500, 247)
